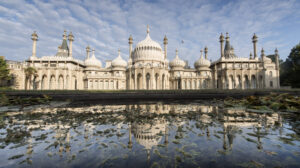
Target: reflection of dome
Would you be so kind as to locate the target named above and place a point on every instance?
(119, 62)
(177, 62)
(202, 62)
(147, 134)
(148, 50)
(93, 61)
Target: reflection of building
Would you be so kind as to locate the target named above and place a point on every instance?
(147, 68)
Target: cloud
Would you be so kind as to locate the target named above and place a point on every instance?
(106, 25)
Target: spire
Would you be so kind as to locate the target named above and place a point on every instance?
(70, 36)
(148, 30)
(201, 55)
(227, 36)
(205, 52)
(64, 44)
(34, 36)
(262, 52)
(93, 53)
(88, 49)
(130, 40)
(176, 53)
(65, 34)
(221, 37)
(165, 40)
(227, 47)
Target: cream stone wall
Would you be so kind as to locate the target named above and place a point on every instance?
(147, 69)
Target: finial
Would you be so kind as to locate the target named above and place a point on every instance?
(262, 52)
(119, 52)
(176, 53)
(34, 36)
(221, 37)
(88, 48)
(254, 38)
(205, 51)
(93, 52)
(71, 37)
(276, 51)
(148, 29)
(201, 56)
(227, 35)
(250, 55)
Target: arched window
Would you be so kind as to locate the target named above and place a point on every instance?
(148, 81)
(271, 74)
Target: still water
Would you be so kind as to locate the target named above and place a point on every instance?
(148, 134)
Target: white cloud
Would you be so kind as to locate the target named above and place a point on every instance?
(106, 25)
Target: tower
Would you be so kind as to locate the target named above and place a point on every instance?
(254, 41)
(34, 38)
(221, 43)
(165, 46)
(130, 46)
(71, 39)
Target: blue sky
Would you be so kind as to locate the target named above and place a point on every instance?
(106, 25)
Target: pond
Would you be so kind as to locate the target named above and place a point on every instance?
(148, 134)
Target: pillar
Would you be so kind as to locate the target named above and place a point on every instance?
(71, 39)
(165, 46)
(34, 38)
(222, 42)
(254, 40)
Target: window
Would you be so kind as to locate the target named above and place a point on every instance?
(52, 65)
(271, 84)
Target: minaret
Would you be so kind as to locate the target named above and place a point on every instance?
(87, 52)
(205, 52)
(71, 39)
(221, 42)
(254, 40)
(227, 50)
(34, 38)
(262, 54)
(165, 45)
(130, 46)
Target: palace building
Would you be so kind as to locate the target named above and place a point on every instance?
(147, 69)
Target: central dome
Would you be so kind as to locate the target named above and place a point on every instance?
(148, 50)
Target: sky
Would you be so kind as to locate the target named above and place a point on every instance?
(106, 25)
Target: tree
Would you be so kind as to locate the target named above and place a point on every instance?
(4, 73)
(290, 75)
(29, 73)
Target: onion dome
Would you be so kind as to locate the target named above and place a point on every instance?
(202, 62)
(93, 61)
(177, 62)
(148, 50)
(119, 62)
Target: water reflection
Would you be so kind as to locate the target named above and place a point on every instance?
(154, 134)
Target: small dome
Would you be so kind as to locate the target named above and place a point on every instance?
(177, 62)
(119, 62)
(93, 61)
(267, 60)
(202, 62)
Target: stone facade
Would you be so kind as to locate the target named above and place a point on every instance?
(147, 69)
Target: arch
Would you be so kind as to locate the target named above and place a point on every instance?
(60, 82)
(117, 84)
(253, 82)
(147, 81)
(101, 85)
(270, 74)
(111, 84)
(260, 81)
(231, 82)
(139, 81)
(67, 82)
(271, 84)
(204, 84)
(74, 82)
(52, 83)
(184, 85)
(44, 82)
(189, 84)
(246, 82)
(106, 85)
(156, 81)
(163, 82)
(239, 82)
(35, 83)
